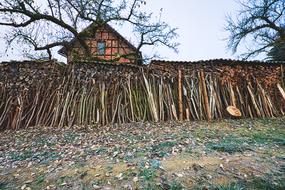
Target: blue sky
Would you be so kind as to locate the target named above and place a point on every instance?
(201, 28)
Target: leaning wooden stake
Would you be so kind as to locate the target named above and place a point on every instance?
(205, 95)
(180, 98)
(281, 90)
(282, 76)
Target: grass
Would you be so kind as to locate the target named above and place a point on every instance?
(40, 179)
(230, 144)
(229, 186)
(163, 149)
(270, 135)
(70, 137)
(101, 150)
(257, 183)
(148, 174)
(23, 156)
(265, 183)
(174, 185)
(3, 185)
(146, 159)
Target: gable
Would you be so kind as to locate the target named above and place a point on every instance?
(106, 34)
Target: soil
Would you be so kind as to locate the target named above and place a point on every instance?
(227, 154)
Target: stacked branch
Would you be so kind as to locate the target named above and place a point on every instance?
(48, 94)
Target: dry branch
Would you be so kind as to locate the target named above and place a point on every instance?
(50, 94)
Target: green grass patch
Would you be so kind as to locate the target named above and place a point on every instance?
(26, 154)
(44, 141)
(230, 144)
(270, 135)
(70, 138)
(265, 183)
(229, 186)
(148, 174)
(101, 150)
(3, 185)
(162, 149)
(40, 179)
(175, 185)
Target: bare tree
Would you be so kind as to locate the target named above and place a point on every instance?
(260, 24)
(277, 52)
(44, 25)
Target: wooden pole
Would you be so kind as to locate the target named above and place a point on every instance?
(233, 99)
(205, 95)
(281, 90)
(282, 76)
(180, 98)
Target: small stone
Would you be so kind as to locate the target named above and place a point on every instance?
(28, 181)
(96, 187)
(120, 176)
(222, 166)
(136, 179)
(129, 154)
(147, 165)
(93, 147)
(209, 176)
(29, 164)
(115, 153)
(179, 175)
(127, 186)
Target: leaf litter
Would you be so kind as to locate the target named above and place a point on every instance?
(171, 155)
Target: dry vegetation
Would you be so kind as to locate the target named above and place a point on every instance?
(69, 148)
(49, 94)
(227, 154)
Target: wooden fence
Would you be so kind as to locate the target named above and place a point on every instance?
(49, 94)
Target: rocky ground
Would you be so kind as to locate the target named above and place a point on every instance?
(228, 154)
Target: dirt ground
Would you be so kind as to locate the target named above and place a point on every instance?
(227, 154)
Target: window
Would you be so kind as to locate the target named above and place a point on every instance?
(101, 48)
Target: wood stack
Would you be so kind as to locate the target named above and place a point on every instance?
(49, 94)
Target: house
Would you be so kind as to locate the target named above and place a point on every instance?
(105, 45)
